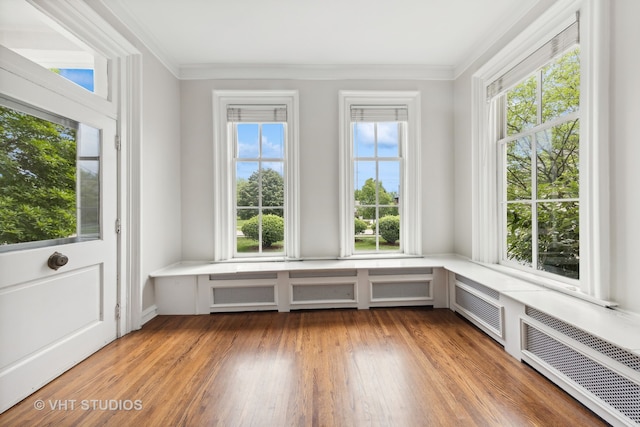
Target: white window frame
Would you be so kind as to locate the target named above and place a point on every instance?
(224, 174)
(410, 202)
(594, 146)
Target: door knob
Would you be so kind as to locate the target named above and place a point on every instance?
(57, 260)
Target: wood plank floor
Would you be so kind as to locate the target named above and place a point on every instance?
(382, 367)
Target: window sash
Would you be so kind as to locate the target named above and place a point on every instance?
(224, 222)
(410, 203)
(256, 113)
(379, 113)
(559, 44)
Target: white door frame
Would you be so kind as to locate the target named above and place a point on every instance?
(125, 104)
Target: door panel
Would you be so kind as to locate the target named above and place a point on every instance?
(52, 319)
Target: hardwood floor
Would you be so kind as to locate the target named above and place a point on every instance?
(382, 367)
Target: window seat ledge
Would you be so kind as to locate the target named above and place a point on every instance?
(612, 325)
(195, 268)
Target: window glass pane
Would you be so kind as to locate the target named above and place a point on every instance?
(247, 223)
(247, 184)
(273, 140)
(389, 182)
(89, 215)
(81, 76)
(363, 139)
(518, 171)
(389, 229)
(561, 86)
(248, 146)
(559, 238)
(89, 138)
(46, 191)
(518, 234)
(272, 184)
(557, 153)
(388, 139)
(273, 230)
(365, 193)
(522, 107)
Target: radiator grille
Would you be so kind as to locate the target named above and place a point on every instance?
(482, 309)
(616, 353)
(617, 391)
(244, 295)
(411, 290)
(336, 292)
(399, 271)
(492, 293)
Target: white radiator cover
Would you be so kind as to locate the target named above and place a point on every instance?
(480, 304)
(597, 370)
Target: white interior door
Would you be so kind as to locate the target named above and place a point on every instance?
(51, 319)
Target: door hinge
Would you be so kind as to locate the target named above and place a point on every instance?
(117, 142)
(118, 226)
(118, 311)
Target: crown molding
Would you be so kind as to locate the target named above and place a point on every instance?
(120, 10)
(315, 72)
(485, 44)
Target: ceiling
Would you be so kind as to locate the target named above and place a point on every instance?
(428, 34)
(257, 38)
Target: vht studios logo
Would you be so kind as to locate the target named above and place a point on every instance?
(89, 405)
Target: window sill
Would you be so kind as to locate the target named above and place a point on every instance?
(555, 285)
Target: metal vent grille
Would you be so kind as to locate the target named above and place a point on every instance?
(336, 292)
(616, 353)
(244, 295)
(243, 276)
(399, 271)
(319, 273)
(613, 389)
(492, 293)
(480, 308)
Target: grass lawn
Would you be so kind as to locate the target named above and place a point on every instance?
(368, 243)
(248, 245)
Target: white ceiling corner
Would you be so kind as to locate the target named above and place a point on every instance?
(333, 39)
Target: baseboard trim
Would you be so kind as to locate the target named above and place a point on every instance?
(149, 313)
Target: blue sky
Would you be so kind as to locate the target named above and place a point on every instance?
(248, 147)
(364, 139)
(81, 77)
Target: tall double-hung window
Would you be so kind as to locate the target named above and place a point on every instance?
(380, 165)
(256, 211)
(540, 154)
(538, 131)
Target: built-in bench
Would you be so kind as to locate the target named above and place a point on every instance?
(591, 351)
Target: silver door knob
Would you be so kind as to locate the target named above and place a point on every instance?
(57, 260)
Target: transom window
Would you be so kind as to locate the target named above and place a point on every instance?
(33, 35)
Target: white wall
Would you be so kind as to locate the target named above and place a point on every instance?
(161, 232)
(625, 150)
(318, 161)
(161, 243)
(625, 153)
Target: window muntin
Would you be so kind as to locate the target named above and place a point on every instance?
(259, 188)
(49, 178)
(541, 156)
(377, 167)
